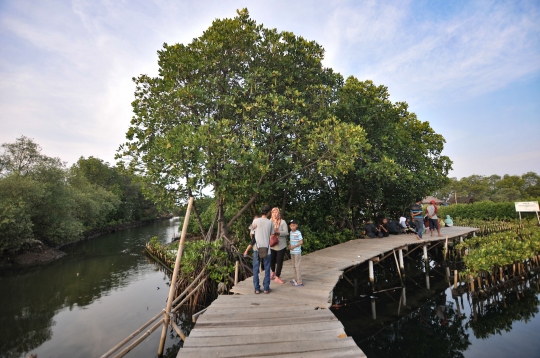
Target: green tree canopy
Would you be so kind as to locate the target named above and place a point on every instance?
(494, 188)
(244, 110)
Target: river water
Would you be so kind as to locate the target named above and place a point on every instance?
(88, 301)
(433, 323)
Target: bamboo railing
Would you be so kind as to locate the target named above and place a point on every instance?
(165, 317)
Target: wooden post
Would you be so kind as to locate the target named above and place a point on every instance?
(172, 287)
(403, 294)
(401, 265)
(425, 254)
(236, 274)
(371, 275)
(455, 278)
(471, 281)
(445, 247)
(398, 269)
(373, 309)
(448, 275)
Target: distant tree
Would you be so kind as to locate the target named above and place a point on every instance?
(531, 184)
(23, 156)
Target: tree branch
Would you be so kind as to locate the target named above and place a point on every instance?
(244, 208)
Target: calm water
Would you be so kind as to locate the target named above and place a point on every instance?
(88, 301)
(435, 324)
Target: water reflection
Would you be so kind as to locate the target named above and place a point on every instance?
(427, 321)
(86, 302)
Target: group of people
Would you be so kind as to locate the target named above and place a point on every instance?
(413, 225)
(269, 234)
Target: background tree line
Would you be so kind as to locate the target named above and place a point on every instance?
(251, 115)
(494, 188)
(40, 198)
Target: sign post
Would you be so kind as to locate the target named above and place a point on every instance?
(528, 206)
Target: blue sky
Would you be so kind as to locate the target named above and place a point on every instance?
(470, 68)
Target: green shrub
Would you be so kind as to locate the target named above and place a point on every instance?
(483, 210)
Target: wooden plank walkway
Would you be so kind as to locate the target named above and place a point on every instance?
(292, 321)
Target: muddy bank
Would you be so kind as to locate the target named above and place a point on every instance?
(36, 252)
(34, 257)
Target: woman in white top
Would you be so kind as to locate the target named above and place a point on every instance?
(278, 250)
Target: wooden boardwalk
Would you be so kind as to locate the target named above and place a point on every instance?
(291, 321)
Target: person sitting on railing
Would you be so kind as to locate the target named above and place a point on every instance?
(448, 221)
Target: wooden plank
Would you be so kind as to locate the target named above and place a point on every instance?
(267, 349)
(265, 315)
(343, 352)
(260, 338)
(245, 331)
(256, 322)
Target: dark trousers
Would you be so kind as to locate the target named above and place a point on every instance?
(277, 260)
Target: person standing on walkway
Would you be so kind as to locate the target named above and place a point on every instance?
(278, 250)
(262, 253)
(416, 215)
(296, 242)
(431, 212)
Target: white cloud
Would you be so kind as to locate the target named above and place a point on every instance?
(66, 72)
(476, 50)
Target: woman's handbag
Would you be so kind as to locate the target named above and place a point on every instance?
(274, 240)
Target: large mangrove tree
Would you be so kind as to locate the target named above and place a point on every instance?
(251, 115)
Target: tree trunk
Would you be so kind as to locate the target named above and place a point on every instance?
(197, 215)
(222, 230)
(344, 219)
(283, 203)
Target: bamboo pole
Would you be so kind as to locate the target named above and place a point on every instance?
(173, 280)
(445, 247)
(455, 278)
(236, 274)
(134, 334)
(130, 337)
(398, 269)
(139, 340)
(188, 296)
(178, 330)
(371, 274)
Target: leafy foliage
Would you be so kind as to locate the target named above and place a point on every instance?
(494, 188)
(489, 252)
(251, 114)
(193, 256)
(484, 210)
(41, 199)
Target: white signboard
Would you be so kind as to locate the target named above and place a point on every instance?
(527, 206)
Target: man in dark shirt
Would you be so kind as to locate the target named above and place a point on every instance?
(416, 215)
(393, 227)
(370, 230)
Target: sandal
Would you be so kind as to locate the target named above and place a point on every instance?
(272, 276)
(257, 292)
(267, 291)
(278, 280)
